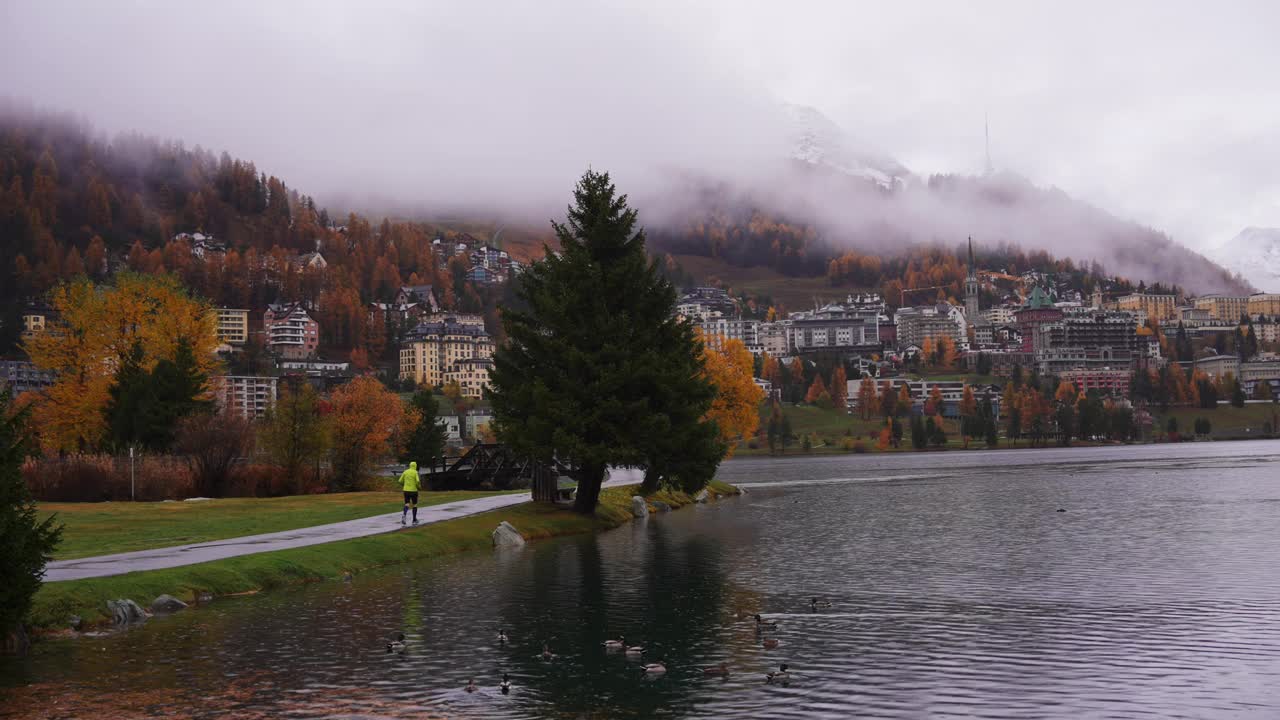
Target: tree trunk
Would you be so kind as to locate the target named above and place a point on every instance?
(14, 642)
(589, 489)
(652, 481)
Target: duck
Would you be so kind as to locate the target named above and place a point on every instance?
(635, 650)
(817, 604)
(398, 645)
(471, 686)
(546, 653)
(770, 643)
(654, 668)
(502, 636)
(505, 685)
(762, 625)
(618, 644)
(782, 675)
(721, 669)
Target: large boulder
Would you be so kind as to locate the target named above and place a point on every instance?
(166, 604)
(638, 507)
(125, 612)
(506, 535)
(661, 506)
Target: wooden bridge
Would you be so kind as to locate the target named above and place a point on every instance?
(490, 466)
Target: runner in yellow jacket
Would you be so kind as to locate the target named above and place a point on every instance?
(410, 484)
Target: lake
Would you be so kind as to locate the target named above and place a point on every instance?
(1126, 582)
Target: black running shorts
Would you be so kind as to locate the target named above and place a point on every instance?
(411, 499)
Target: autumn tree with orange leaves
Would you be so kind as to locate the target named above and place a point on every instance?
(368, 422)
(736, 406)
(98, 328)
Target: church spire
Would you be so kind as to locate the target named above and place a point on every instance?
(973, 268)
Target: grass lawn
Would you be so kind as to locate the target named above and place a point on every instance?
(1225, 421)
(830, 427)
(55, 602)
(116, 527)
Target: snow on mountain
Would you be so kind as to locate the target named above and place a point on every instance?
(816, 140)
(1255, 254)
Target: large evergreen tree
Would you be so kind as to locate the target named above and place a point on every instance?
(597, 371)
(28, 541)
(144, 407)
(427, 441)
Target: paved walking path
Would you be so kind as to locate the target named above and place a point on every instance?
(178, 555)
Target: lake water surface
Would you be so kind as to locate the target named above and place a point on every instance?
(957, 587)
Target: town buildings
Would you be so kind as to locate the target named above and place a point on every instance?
(419, 295)
(716, 330)
(851, 326)
(1226, 308)
(290, 332)
(1108, 381)
(916, 324)
(1267, 304)
(36, 319)
(430, 352)
(249, 396)
(232, 325)
(1156, 307)
(21, 376)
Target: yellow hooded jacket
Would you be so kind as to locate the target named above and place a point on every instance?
(409, 479)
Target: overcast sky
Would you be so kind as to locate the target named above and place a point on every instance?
(1164, 112)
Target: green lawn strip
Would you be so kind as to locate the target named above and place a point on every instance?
(56, 602)
(1225, 421)
(115, 527)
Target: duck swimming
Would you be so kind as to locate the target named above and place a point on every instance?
(656, 668)
(635, 650)
(817, 604)
(618, 644)
(770, 643)
(471, 686)
(762, 625)
(721, 669)
(546, 653)
(505, 686)
(502, 636)
(397, 645)
(780, 676)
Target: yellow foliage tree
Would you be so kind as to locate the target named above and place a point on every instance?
(97, 327)
(736, 407)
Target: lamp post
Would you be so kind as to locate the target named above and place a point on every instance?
(131, 474)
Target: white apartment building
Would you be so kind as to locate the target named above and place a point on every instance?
(249, 396)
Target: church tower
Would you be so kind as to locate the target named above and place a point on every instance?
(971, 290)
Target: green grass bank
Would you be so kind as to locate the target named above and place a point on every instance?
(56, 602)
(107, 528)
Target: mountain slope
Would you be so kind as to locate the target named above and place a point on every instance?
(1255, 254)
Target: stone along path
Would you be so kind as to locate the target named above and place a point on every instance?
(178, 555)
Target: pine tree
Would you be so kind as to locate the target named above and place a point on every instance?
(597, 371)
(427, 440)
(28, 542)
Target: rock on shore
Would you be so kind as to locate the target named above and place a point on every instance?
(125, 612)
(638, 507)
(506, 535)
(166, 604)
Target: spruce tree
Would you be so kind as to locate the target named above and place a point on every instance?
(28, 542)
(427, 441)
(597, 371)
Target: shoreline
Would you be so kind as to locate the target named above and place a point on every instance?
(56, 603)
